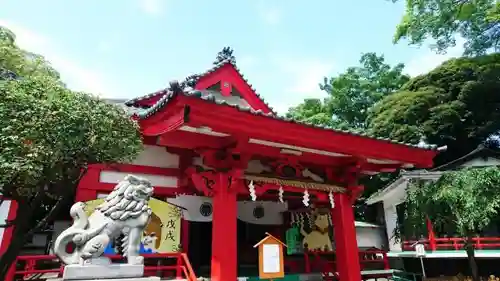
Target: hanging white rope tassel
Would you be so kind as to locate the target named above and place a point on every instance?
(251, 189)
(305, 199)
(330, 196)
(280, 194)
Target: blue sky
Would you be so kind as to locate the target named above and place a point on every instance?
(127, 48)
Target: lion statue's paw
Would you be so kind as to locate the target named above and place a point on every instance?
(135, 260)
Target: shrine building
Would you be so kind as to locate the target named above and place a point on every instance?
(216, 152)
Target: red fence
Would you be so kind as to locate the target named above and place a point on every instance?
(324, 262)
(33, 266)
(436, 244)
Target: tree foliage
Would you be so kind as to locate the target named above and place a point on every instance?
(351, 94)
(455, 104)
(52, 132)
(16, 62)
(460, 203)
(49, 135)
(477, 21)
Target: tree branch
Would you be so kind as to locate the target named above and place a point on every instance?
(49, 217)
(60, 202)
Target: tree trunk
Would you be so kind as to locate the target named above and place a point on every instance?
(21, 225)
(24, 216)
(22, 230)
(469, 247)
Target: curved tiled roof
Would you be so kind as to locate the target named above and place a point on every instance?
(231, 61)
(211, 98)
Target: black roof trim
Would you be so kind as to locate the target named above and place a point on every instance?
(163, 101)
(133, 101)
(481, 151)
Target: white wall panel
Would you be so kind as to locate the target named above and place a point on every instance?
(156, 156)
(156, 180)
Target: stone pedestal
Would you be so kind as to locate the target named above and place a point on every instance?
(102, 271)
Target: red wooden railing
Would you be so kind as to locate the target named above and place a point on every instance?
(454, 243)
(42, 264)
(313, 261)
(324, 262)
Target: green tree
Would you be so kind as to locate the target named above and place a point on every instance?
(351, 94)
(21, 63)
(312, 111)
(455, 105)
(49, 135)
(477, 21)
(461, 202)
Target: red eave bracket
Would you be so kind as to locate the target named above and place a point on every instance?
(169, 123)
(193, 141)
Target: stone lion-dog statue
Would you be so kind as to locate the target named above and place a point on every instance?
(124, 211)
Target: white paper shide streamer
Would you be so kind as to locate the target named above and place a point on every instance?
(251, 189)
(280, 194)
(305, 199)
(330, 196)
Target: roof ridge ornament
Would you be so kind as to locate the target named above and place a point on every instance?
(176, 87)
(225, 55)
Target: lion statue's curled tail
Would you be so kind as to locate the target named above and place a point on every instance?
(124, 211)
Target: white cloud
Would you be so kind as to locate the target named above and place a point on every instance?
(271, 16)
(269, 12)
(152, 7)
(429, 60)
(303, 76)
(76, 76)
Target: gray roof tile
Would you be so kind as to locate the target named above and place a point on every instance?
(195, 78)
(211, 98)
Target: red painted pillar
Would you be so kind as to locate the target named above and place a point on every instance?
(185, 235)
(224, 252)
(347, 259)
(432, 236)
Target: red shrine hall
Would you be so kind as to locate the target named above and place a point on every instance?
(228, 137)
(231, 146)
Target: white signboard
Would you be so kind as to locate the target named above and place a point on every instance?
(271, 258)
(420, 249)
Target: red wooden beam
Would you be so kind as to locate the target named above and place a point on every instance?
(90, 184)
(194, 141)
(164, 123)
(232, 121)
(187, 140)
